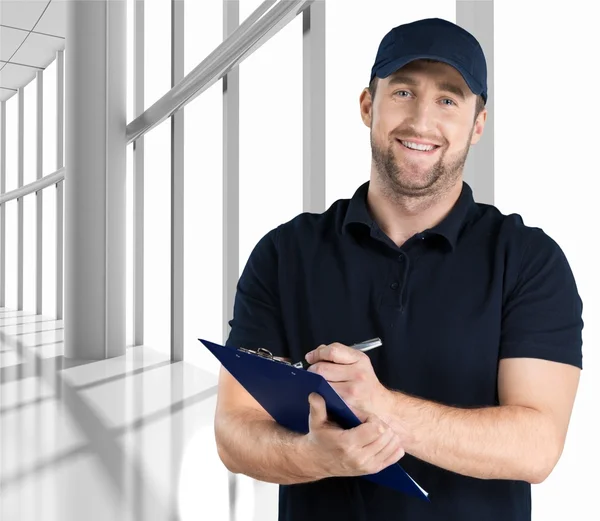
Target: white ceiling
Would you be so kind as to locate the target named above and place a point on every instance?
(31, 31)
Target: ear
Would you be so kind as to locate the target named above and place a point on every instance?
(479, 124)
(366, 107)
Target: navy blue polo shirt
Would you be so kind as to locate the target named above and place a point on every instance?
(448, 305)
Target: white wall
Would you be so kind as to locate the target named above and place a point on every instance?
(546, 169)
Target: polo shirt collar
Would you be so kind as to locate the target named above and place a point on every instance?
(449, 227)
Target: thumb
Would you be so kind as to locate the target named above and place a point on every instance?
(318, 411)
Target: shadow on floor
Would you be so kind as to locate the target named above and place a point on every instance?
(103, 441)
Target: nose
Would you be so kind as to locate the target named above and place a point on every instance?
(422, 118)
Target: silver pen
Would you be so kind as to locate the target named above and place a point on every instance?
(364, 346)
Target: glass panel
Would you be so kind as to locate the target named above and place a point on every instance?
(12, 127)
(270, 134)
(203, 199)
(30, 134)
(49, 158)
(157, 181)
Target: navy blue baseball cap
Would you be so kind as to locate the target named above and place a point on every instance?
(436, 39)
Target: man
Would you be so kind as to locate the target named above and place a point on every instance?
(479, 316)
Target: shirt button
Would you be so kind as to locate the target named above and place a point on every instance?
(394, 285)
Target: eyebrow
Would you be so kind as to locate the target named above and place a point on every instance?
(443, 85)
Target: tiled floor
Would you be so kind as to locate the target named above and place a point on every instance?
(129, 438)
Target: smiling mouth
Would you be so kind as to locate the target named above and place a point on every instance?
(418, 148)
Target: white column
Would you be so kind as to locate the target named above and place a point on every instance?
(314, 107)
(40, 194)
(21, 135)
(138, 177)
(60, 99)
(95, 179)
(3, 206)
(231, 172)
(177, 175)
(477, 17)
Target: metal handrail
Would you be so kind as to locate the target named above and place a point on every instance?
(246, 39)
(44, 182)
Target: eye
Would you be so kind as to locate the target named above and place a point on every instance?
(451, 101)
(398, 91)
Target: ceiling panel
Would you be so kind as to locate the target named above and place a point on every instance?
(22, 47)
(22, 13)
(10, 39)
(54, 19)
(15, 76)
(6, 93)
(38, 50)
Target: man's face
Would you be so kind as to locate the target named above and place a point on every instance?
(428, 103)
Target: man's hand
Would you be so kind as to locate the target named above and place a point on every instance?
(351, 374)
(335, 452)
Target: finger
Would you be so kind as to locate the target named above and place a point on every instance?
(366, 433)
(382, 440)
(380, 450)
(390, 453)
(395, 456)
(317, 412)
(334, 372)
(336, 353)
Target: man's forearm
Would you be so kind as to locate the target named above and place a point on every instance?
(503, 442)
(252, 443)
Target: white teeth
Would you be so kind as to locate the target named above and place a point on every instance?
(417, 146)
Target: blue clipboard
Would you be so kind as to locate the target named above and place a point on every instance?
(283, 391)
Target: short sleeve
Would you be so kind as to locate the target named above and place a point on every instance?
(542, 317)
(257, 317)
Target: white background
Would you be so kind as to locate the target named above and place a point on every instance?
(546, 169)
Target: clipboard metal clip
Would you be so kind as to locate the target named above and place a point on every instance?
(265, 353)
(367, 345)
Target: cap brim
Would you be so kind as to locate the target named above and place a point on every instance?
(393, 66)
